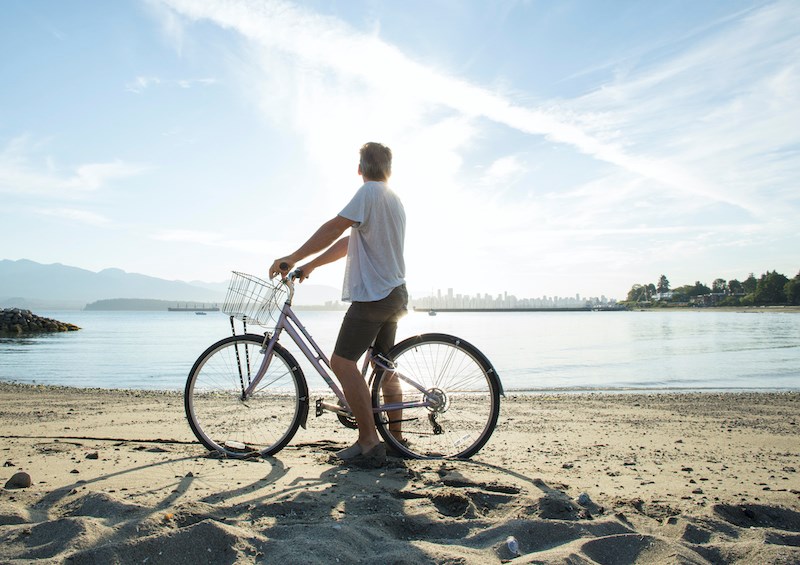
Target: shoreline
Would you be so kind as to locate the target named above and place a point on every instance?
(675, 477)
(738, 309)
(13, 385)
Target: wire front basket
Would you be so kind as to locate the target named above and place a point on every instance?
(253, 300)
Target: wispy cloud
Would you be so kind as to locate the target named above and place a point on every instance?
(188, 236)
(93, 176)
(142, 83)
(692, 143)
(76, 215)
(331, 45)
(504, 171)
(24, 171)
(209, 239)
(721, 110)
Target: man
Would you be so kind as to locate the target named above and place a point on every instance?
(374, 283)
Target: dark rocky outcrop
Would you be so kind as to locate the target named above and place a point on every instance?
(15, 321)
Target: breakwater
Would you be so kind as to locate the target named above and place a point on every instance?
(16, 321)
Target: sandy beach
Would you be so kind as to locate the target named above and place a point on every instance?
(117, 477)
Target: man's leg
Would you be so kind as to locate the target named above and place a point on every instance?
(359, 398)
(361, 326)
(391, 389)
(393, 394)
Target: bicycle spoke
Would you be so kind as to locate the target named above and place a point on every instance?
(219, 415)
(456, 413)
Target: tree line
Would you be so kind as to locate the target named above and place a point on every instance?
(772, 288)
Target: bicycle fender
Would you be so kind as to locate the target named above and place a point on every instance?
(303, 411)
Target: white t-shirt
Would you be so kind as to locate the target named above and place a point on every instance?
(375, 264)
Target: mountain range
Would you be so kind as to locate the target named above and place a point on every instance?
(27, 284)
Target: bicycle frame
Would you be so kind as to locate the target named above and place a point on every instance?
(289, 322)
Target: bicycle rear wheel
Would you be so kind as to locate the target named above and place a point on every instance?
(261, 424)
(442, 400)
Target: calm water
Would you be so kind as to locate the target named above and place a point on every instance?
(531, 351)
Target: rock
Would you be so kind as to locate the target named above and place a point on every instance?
(93, 455)
(19, 480)
(18, 321)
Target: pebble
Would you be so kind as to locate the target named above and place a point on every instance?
(19, 480)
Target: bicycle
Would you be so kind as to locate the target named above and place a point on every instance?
(433, 395)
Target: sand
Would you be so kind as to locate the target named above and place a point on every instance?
(117, 477)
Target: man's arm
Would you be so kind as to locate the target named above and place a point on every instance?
(322, 239)
(333, 253)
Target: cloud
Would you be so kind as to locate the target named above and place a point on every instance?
(20, 174)
(722, 109)
(691, 144)
(79, 216)
(143, 83)
(188, 236)
(211, 239)
(327, 45)
(93, 176)
(504, 170)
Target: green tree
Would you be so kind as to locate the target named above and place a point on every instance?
(641, 292)
(663, 284)
(699, 289)
(792, 290)
(636, 293)
(771, 288)
(719, 285)
(749, 284)
(735, 287)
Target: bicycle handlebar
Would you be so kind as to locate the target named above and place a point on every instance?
(296, 274)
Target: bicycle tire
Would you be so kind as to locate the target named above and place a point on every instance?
(466, 390)
(263, 423)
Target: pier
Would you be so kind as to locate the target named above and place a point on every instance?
(194, 308)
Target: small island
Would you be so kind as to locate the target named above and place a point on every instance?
(16, 321)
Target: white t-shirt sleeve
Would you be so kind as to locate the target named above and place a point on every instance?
(356, 209)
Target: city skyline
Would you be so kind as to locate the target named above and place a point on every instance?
(451, 299)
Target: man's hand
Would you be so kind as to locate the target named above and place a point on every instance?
(281, 267)
(305, 271)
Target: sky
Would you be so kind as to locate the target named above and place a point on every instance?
(541, 148)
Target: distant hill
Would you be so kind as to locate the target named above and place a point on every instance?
(27, 284)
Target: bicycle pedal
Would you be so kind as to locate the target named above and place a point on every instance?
(319, 410)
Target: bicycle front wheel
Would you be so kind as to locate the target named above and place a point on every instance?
(226, 420)
(441, 400)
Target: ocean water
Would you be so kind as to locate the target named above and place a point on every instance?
(531, 351)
